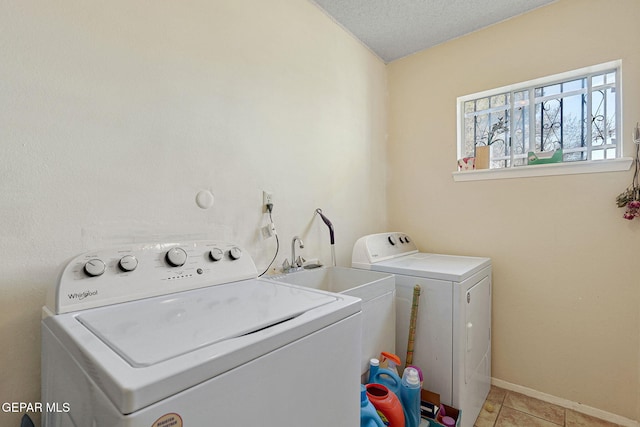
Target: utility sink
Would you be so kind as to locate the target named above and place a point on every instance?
(377, 291)
(350, 281)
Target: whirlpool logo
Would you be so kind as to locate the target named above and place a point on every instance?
(82, 295)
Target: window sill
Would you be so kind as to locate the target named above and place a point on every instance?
(569, 168)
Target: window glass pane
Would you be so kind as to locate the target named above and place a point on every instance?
(500, 156)
(469, 137)
(520, 135)
(548, 125)
(611, 78)
(597, 155)
(598, 124)
(574, 85)
(481, 129)
(573, 129)
(499, 100)
(574, 156)
(597, 80)
(521, 98)
(482, 104)
(611, 116)
(498, 138)
(469, 107)
(551, 90)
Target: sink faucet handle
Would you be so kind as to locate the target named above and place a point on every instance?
(286, 266)
(300, 261)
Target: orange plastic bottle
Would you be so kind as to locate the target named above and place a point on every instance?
(387, 404)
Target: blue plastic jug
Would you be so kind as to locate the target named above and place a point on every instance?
(368, 415)
(384, 376)
(410, 397)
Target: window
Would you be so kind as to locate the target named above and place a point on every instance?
(567, 118)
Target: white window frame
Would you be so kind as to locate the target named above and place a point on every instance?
(564, 168)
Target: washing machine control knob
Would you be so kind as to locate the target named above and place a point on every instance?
(392, 240)
(235, 253)
(95, 267)
(176, 257)
(128, 263)
(216, 254)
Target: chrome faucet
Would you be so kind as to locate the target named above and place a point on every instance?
(296, 263)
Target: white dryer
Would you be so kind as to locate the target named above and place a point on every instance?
(185, 334)
(453, 331)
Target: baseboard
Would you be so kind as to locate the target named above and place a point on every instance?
(578, 407)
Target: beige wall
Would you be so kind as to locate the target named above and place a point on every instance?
(566, 283)
(115, 114)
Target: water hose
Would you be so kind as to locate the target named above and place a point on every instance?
(331, 235)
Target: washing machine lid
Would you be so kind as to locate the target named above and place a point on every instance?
(434, 266)
(141, 352)
(148, 332)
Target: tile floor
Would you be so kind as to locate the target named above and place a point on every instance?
(505, 408)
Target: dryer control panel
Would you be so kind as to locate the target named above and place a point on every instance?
(379, 247)
(109, 276)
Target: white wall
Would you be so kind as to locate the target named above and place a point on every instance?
(566, 293)
(115, 114)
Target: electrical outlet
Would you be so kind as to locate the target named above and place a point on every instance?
(267, 199)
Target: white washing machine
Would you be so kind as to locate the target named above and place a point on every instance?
(185, 334)
(453, 331)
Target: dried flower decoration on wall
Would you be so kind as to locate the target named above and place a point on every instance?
(630, 198)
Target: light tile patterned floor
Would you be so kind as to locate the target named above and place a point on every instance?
(505, 408)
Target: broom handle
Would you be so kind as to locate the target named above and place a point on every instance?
(412, 324)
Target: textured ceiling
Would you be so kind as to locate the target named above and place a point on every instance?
(393, 29)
